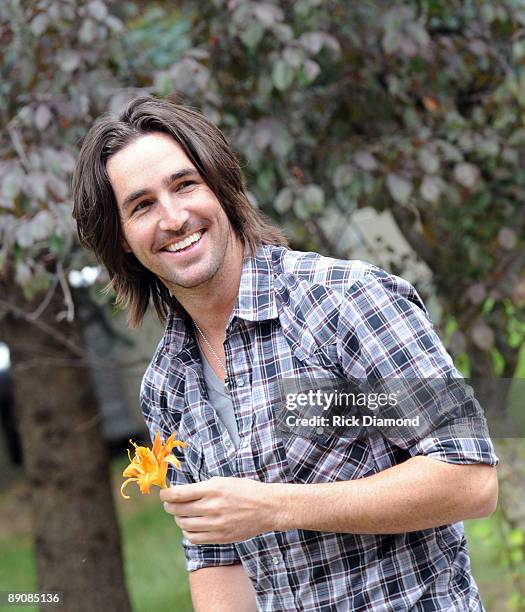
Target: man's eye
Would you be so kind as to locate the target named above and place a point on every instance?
(186, 185)
(142, 205)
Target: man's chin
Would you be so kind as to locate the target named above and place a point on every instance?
(191, 282)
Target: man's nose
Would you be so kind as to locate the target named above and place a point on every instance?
(172, 215)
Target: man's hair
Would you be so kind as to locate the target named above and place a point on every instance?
(95, 208)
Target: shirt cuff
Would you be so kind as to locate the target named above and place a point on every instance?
(199, 556)
(459, 450)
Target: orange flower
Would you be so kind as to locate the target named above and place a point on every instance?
(149, 466)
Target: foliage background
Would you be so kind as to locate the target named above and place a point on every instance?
(413, 107)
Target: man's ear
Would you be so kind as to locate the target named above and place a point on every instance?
(125, 246)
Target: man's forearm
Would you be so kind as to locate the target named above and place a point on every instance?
(418, 494)
(222, 589)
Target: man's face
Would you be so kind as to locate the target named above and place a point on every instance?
(171, 220)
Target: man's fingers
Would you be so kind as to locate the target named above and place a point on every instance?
(194, 537)
(193, 524)
(205, 537)
(183, 508)
(182, 493)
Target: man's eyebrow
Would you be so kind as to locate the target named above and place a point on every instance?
(182, 173)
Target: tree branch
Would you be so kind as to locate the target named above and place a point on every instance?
(59, 337)
(85, 358)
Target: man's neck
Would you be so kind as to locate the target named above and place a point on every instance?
(211, 304)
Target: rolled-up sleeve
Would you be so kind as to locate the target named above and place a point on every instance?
(208, 555)
(385, 333)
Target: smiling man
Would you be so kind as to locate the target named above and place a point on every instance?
(274, 521)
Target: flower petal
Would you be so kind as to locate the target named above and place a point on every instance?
(131, 471)
(166, 449)
(124, 485)
(173, 460)
(157, 444)
(148, 461)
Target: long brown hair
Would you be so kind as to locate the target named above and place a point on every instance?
(95, 208)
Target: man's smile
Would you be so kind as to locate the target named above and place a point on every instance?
(185, 244)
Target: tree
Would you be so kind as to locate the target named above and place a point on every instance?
(57, 75)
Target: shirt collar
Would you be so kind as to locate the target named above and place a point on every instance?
(255, 301)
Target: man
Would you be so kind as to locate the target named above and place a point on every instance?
(273, 521)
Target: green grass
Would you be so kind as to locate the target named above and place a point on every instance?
(153, 557)
(154, 562)
(17, 566)
(488, 567)
(17, 559)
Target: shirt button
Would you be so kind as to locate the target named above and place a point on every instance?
(275, 560)
(227, 443)
(319, 430)
(240, 382)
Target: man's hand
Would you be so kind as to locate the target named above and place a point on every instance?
(220, 510)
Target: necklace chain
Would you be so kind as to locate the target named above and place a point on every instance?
(213, 353)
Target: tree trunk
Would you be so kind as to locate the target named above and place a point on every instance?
(76, 535)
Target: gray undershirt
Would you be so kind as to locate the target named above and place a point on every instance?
(220, 400)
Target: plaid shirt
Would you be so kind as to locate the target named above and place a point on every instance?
(301, 314)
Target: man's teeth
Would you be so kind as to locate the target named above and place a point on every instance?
(184, 243)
